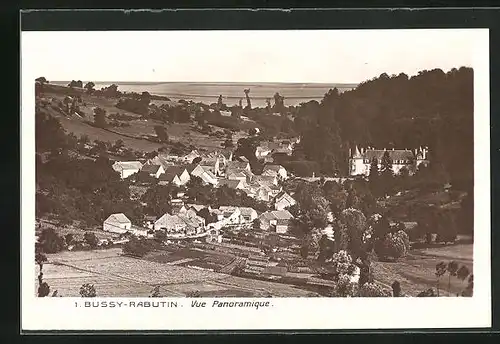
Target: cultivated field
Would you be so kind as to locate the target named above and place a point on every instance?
(115, 275)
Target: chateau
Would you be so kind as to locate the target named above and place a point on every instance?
(360, 160)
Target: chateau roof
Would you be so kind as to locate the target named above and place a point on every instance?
(396, 154)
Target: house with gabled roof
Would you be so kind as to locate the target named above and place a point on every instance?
(233, 184)
(188, 158)
(283, 200)
(160, 160)
(236, 175)
(275, 170)
(197, 207)
(176, 204)
(127, 168)
(237, 166)
(205, 173)
(265, 180)
(248, 214)
(117, 223)
(152, 170)
(230, 215)
(177, 175)
(175, 224)
(279, 221)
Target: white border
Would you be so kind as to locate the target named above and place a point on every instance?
(286, 313)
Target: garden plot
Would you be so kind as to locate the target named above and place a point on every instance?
(72, 256)
(261, 288)
(143, 271)
(189, 257)
(68, 280)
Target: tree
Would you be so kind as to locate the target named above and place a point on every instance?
(157, 199)
(87, 290)
(220, 104)
(249, 104)
(228, 143)
(310, 214)
(161, 133)
(91, 239)
(374, 176)
(119, 144)
(89, 86)
(100, 117)
(42, 80)
(137, 247)
(69, 239)
(74, 83)
(353, 222)
(207, 215)
(386, 173)
(392, 245)
(50, 241)
(145, 98)
(279, 105)
(43, 287)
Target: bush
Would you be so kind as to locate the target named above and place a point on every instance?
(87, 290)
(133, 105)
(345, 288)
(393, 245)
(373, 290)
(138, 247)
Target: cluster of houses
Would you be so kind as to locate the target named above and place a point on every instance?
(186, 220)
(216, 169)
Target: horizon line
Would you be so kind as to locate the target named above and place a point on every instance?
(215, 82)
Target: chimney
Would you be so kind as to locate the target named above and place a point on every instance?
(392, 148)
(350, 153)
(362, 150)
(385, 149)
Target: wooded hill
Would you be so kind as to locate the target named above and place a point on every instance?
(433, 109)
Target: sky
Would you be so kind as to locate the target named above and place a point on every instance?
(304, 56)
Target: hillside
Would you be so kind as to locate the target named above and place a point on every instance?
(135, 131)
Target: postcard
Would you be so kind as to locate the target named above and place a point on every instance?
(245, 180)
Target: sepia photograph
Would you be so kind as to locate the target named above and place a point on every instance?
(233, 166)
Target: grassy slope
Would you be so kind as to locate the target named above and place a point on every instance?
(181, 132)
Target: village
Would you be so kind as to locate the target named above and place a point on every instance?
(187, 212)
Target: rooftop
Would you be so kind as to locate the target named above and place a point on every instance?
(127, 165)
(150, 168)
(117, 218)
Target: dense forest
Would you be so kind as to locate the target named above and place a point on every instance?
(433, 109)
